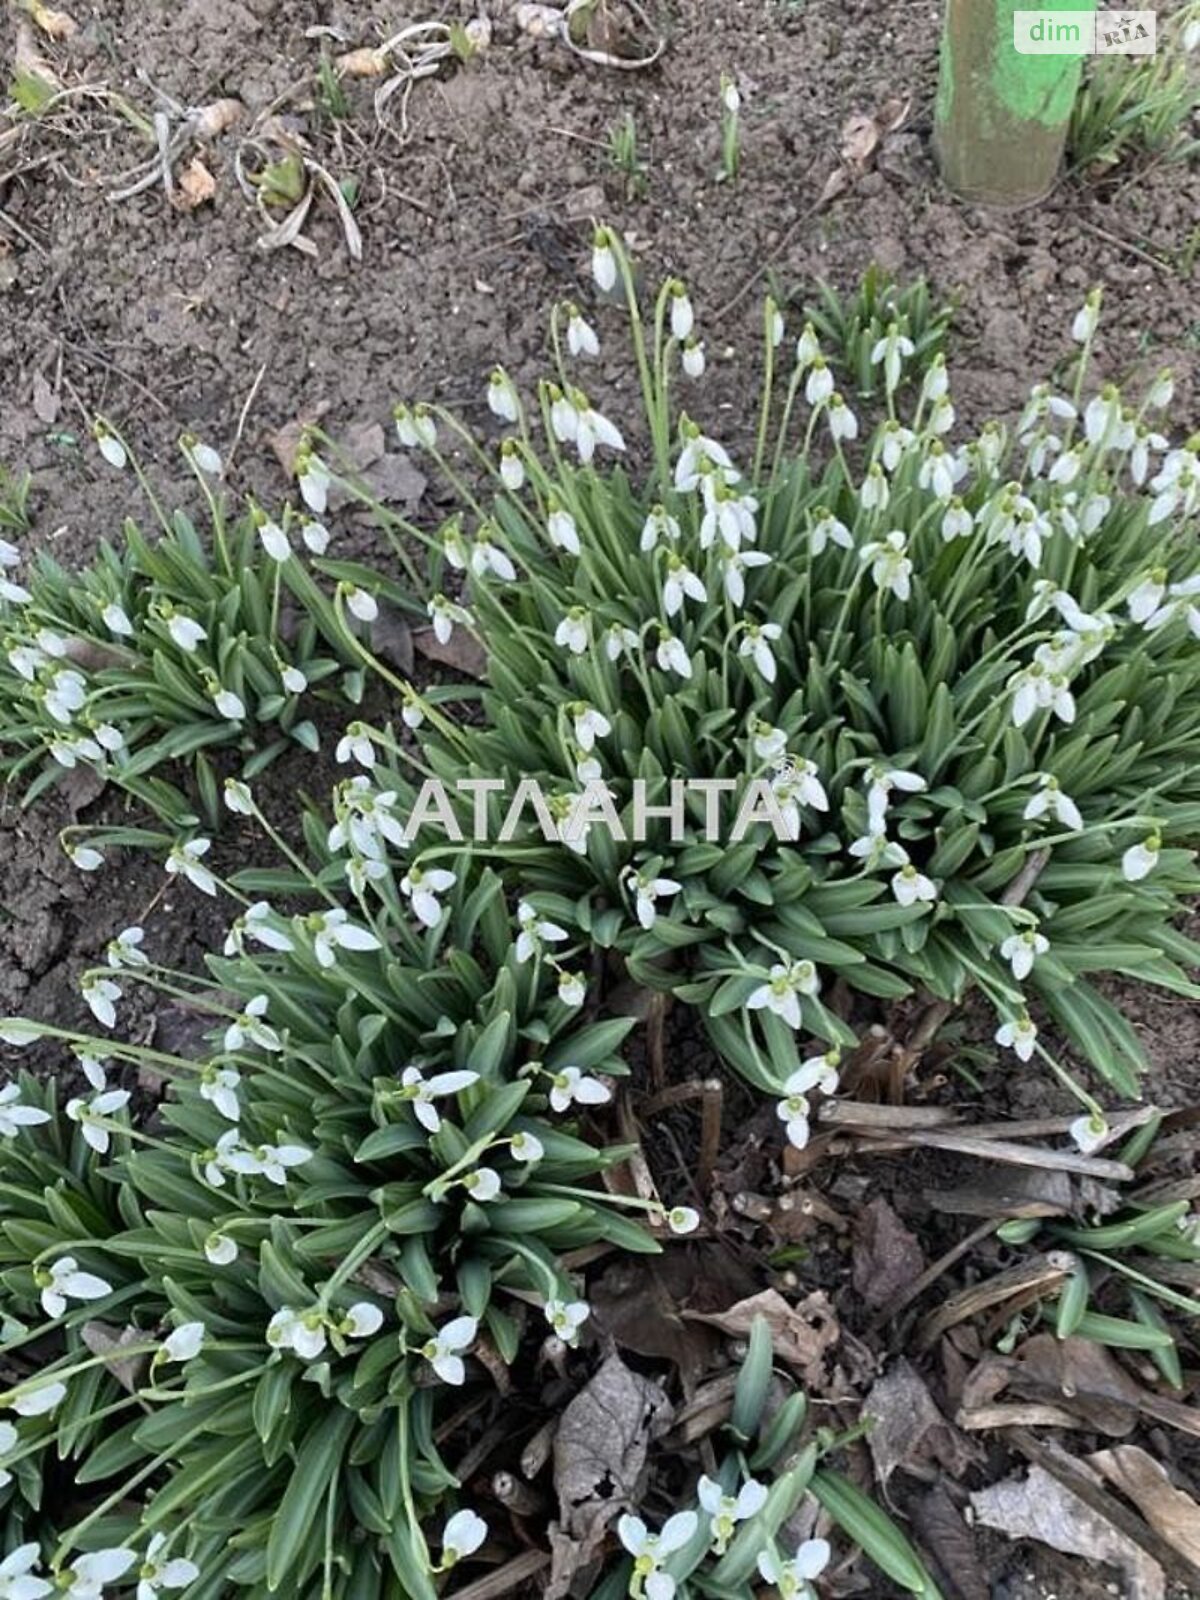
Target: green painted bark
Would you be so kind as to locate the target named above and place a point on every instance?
(1001, 118)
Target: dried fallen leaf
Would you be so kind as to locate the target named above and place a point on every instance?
(391, 639)
(195, 186)
(105, 1340)
(460, 651)
(209, 121)
(28, 63)
(600, 1452)
(860, 136)
(364, 63)
(45, 401)
(802, 1334)
(1040, 1507)
(1167, 1509)
(56, 25)
(945, 1536)
(886, 1255)
(909, 1431)
(835, 184)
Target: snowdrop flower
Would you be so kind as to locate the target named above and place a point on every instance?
(774, 323)
(421, 1092)
(1020, 950)
(892, 351)
(502, 396)
(571, 1086)
(895, 441)
(1102, 415)
(659, 525)
(683, 1219)
(274, 540)
(756, 645)
(702, 459)
(39, 1401)
(186, 860)
(101, 995)
(63, 1281)
(589, 724)
(443, 1351)
(183, 1343)
(573, 632)
(1140, 860)
(512, 468)
(220, 1250)
(415, 427)
(733, 572)
(86, 1580)
(818, 1072)
(825, 530)
(1139, 457)
(646, 891)
(941, 417)
(88, 1115)
(940, 471)
(581, 336)
(1147, 597)
(9, 1440)
(110, 446)
(66, 694)
(592, 428)
(692, 359)
(572, 989)
(14, 593)
(355, 745)
(891, 567)
(671, 655)
(257, 926)
(881, 781)
(463, 1534)
(275, 1160)
(25, 661)
(682, 316)
(250, 1026)
(444, 614)
(843, 424)
(302, 1332)
(125, 950)
(315, 537)
(116, 619)
(911, 887)
(1050, 801)
(229, 705)
(535, 931)
(782, 991)
(10, 556)
(769, 743)
(333, 931)
(727, 1510)
(112, 739)
(1067, 468)
(68, 752)
(604, 262)
(936, 383)
(1018, 1035)
(818, 387)
(808, 346)
(238, 797)
(483, 1184)
(1162, 390)
(680, 583)
(793, 1578)
(362, 1321)
(957, 522)
(14, 1116)
(526, 1147)
(1089, 1132)
(874, 493)
(423, 888)
(185, 631)
(618, 639)
(157, 1571)
(562, 531)
(1087, 318)
(359, 603)
(650, 1550)
(567, 1318)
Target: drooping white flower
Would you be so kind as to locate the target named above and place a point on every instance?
(796, 784)
(808, 346)
(185, 631)
(683, 1219)
(892, 351)
(63, 1281)
(220, 1250)
(659, 525)
(672, 655)
(315, 537)
(160, 1571)
(274, 540)
(574, 631)
(692, 358)
(126, 949)
(911, 887)
(793, 1578)
(826, 529)
(783, 989)
(91, 1573)
(88, 1115)
(101, 995)
(589, 724)
(843, 424)
(333, 931)
(562, 531)
(116, 619)
(483, 1184)
(957, 522)
(219, 1086)
(1019, 1035)
(356, 745)
(463, 1534)
(444, 1351)
(1052, 802)
(444, 613)
(535, 931)
(14, 1115)
(646, 890)
(566, 1318)
(572, 989)
(604, 262)
(184, 1343)
(874, 495)
(421, 1092)
(65, 694)
(571, 1086)
(512, 468)
(39, 1401)
(229, 705)
(1087, 318)
(581, 336)
(891, 567)
(650, 1550)
(360, 604)
(422, 887)
(110, 446)
(1089, 1132)
(818, 387)
(302, 1332)
(734, 566)
(1021, 950)
(755, 645)
(502, 396)
(526, 1147)
(186, 860)
(1140, 860)
(881, 780)
(727, 1510)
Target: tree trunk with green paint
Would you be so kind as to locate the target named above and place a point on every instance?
(1002, 117)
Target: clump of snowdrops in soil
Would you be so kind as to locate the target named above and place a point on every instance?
(959, 674)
